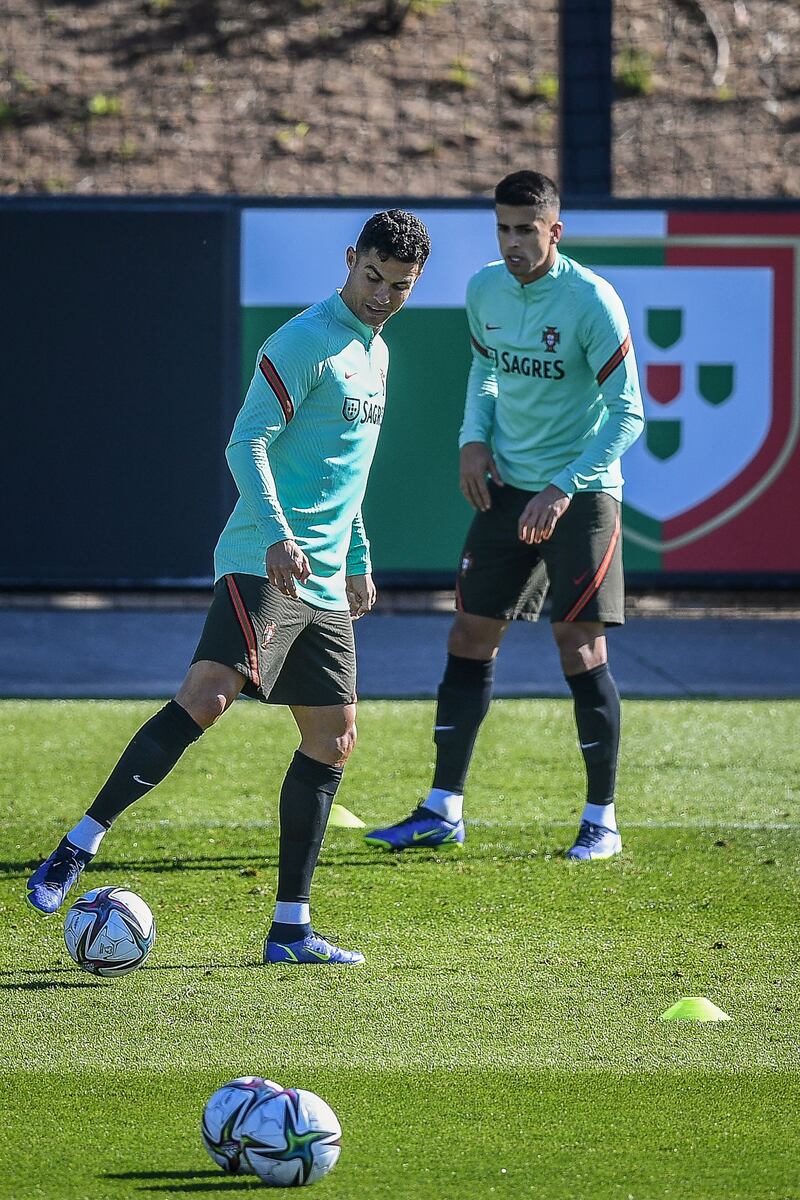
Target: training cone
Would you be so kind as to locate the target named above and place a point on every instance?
(342, 817)
(694, 1008)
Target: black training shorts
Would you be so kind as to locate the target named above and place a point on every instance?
(503, 578)
(289, 652)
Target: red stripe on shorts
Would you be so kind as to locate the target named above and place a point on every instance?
(246, 624)
(599, 576)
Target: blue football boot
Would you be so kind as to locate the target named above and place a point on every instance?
(314, 950)
(423, 828)
(595, 842)
(50, 882)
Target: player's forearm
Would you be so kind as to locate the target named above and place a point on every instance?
(358, 566)
(615, 436)
(479, 407)
(358, 560)
(249, 464)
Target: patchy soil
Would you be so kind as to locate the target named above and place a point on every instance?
(386, 97)
(707, 128)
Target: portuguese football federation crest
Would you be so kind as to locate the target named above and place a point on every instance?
(550, 338)
(351, 408)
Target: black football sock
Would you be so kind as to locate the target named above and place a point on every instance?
(148, 758)
(464, 697)
(597, 715)
(306, 798)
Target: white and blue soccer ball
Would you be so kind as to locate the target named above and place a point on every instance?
(291, 1139)
(223, 1116)
(109, 931)
(287, 1137)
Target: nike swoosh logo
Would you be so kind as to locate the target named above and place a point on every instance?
(420, 837)
(143, 782)
(588, 745)
(494, 326)
(443, 727)
(322, 957)
(350, 374)
(581, 578)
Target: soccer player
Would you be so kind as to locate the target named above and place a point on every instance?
(292, 570)
(552, 402)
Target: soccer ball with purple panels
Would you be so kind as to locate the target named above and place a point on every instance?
(109, 931)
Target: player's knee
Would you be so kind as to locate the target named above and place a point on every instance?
(476, 638)
(331, 746)
(204, 708)
(459, 643)
(581, 646)
(340, 745)
(206, 695)
(346, 744)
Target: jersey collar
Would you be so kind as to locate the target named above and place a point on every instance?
(538, 286)
(348, 318)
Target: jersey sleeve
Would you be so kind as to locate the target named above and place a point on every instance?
(288, 367)
(606, 340)
(358, 555)
(482, 380)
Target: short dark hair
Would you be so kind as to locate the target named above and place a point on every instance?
(528, 189)
(396, 234)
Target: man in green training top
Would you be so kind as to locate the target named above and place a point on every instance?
(552, 403)
(292, 572)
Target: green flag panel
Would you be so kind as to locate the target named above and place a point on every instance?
(715, 382)
(663, 438)
(635, 526)
(664, 326)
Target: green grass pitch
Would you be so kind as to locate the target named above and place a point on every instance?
(503, 1039)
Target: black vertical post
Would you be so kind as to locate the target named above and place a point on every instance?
(585, 97)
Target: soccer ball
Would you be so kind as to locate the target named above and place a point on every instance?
(222, 1118)
(109, 931)
(291, 1138)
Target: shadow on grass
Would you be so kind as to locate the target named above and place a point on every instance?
(274, 972)
(38, 983)
(165, 1175)
(158, 865)
(224, 1185)
(184, 1181)
(161, 866)
(37, 971)
(46, 985)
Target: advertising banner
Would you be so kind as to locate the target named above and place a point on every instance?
(712, 298)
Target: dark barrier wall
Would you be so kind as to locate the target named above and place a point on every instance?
(119, 384)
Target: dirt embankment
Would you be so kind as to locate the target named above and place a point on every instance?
(388, 97)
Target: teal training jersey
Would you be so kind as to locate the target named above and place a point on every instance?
(553, 386)
(301, 449)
